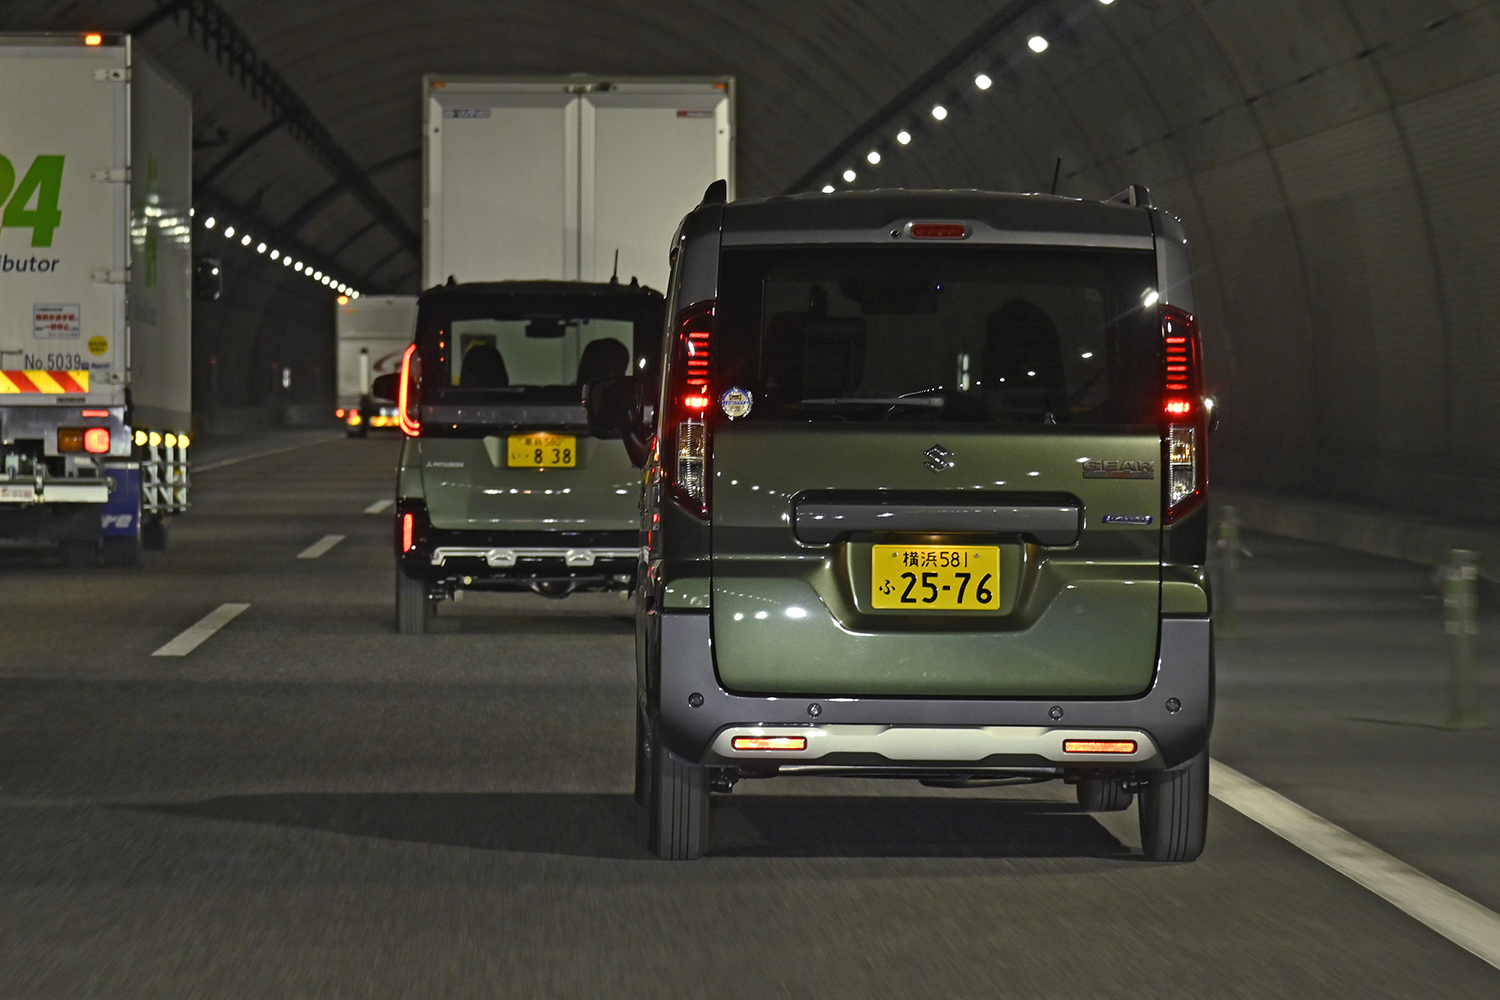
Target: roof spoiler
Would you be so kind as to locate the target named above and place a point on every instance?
(1136, 196)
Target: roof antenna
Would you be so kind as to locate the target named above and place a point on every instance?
(614, 279)
(1055, 171)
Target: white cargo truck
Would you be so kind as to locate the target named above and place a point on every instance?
(95, 296)
(551, 178)
(373, 331)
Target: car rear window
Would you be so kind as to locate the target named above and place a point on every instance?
(485, 349)
(953, 335)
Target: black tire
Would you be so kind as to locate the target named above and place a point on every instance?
(122, 550)
(642, 761)
(413, 606)
(679, 806)
(1174, 812)
(79, 553)
(1103, 795)
(154, 534)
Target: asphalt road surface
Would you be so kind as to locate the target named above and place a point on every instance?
(310, 805)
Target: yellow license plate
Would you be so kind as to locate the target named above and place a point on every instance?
(542, 451)
(936, 577)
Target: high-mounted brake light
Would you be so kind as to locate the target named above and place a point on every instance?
(407, 395)
(93, 39)
(408, 526)
(686, 456)
(96, 440)
(1184, 413)
(1099, 746)
(939, 230)
(769, 742)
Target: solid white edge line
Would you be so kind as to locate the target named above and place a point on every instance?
(1452, 914)
(319, 547)
(379, 506)
(210, 466)
(194, 635)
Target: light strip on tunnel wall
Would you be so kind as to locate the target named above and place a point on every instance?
(1036, 42)
(237, 237)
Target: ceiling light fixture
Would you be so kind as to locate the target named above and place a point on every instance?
(939, 112)
(983, 82)
(903, 137)
(1037, 44)
(873, 156)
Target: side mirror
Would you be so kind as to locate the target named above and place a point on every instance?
(208, 278)
(386, 387)
(617, 410)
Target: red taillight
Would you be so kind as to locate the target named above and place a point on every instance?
(1186, 430)
(1099, 746)
(95, 413)
(408, 526)
(939, 230)
(407, 395)
(339, 413)
(686, 424)
(96, 440)
(769, 742)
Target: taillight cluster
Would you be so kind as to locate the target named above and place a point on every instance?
(1184, 413)
(686, 451)
(94, 440)
(408, 396)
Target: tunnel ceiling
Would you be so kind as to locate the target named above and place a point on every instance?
(1334, 163)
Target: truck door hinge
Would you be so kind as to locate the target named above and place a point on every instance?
(116, 75)
(102, 277)
(119, 175)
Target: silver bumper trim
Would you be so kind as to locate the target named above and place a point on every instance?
(503, 558)
(909, 744)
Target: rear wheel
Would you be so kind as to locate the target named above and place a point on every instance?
(1103, 795)
(78, 553)
(413, 606)
(122, 550)
(679, 805)
(154, 533)
(1174, 812)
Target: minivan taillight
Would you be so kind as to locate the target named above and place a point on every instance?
(1183, 414)
(686, 425)
(408, 395)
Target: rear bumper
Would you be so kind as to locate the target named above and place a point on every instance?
(939, 733)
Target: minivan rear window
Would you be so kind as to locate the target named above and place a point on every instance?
(479, 349)
(973, 334)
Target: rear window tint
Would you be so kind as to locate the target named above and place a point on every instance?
(951, 335)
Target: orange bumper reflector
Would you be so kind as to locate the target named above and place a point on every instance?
(96, 440)
(407, 524)
(770, 743)
(70, 439)
(1098, 746)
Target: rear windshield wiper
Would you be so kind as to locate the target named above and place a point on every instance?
(933, 402)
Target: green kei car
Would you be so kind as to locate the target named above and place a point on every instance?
(927, 500)
(500, 486)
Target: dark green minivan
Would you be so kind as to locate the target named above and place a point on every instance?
(500, 485)
(928, 501)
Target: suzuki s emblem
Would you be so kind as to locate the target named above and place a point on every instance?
(938, 458)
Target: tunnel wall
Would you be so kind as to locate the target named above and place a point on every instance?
(1336, 167)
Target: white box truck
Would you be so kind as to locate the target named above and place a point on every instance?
(95, 296)
(373, 331)
(551, 178)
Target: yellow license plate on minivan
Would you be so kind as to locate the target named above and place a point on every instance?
(935, 577)
(542, 451)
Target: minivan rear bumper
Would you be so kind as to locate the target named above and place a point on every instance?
(1175, 715)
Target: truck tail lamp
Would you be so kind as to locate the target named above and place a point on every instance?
(409, 393)
(96, 440)
(1183, 413)
(687, 410)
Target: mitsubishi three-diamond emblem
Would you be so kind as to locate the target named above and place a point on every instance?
(939, 458)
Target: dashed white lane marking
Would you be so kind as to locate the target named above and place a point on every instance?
(1452, 914)
(194, 635)
(319, 547)
(379, 506)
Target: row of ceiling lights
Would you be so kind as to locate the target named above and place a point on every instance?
(246, 240)
(1036, 43)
